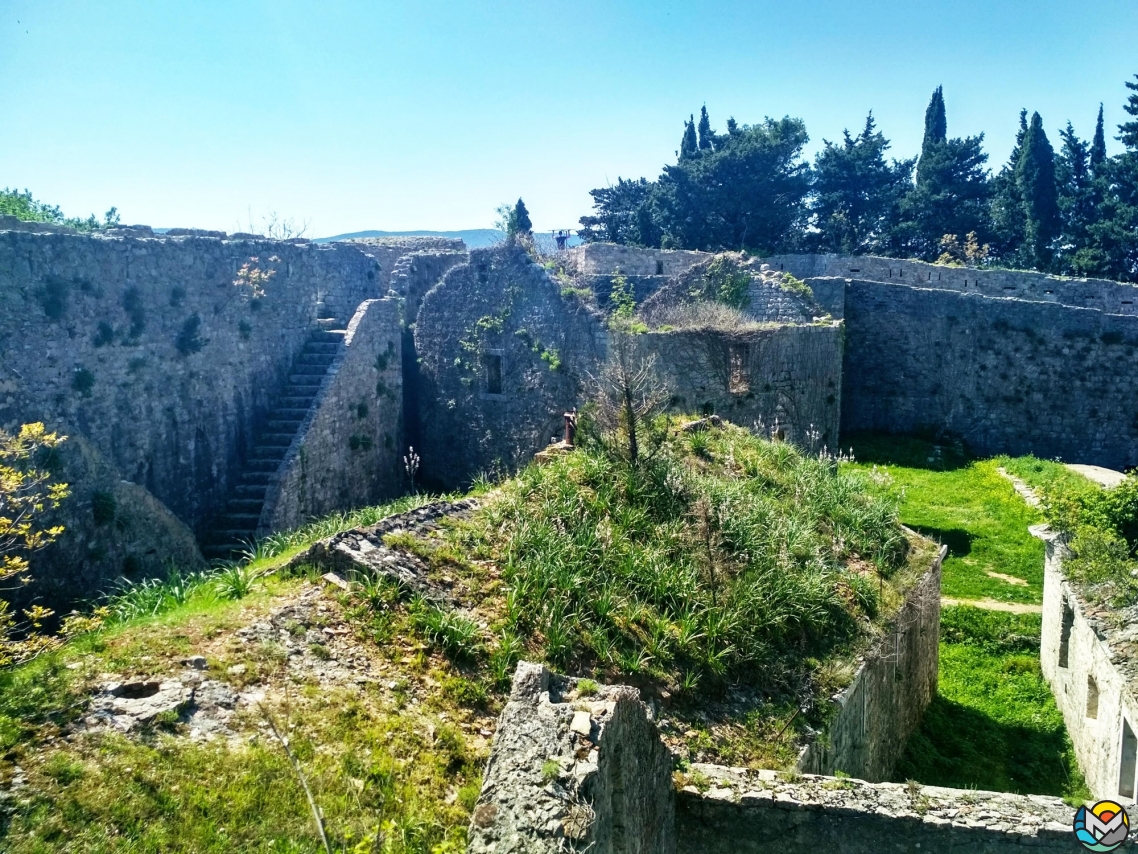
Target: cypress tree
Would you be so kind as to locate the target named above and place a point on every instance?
(936, 133)
(688, 145)
(1035, 175)
(705, 134)
(1128, 131)
(1076, 197)
(1098, 146)
(521, 220)
(1007, 203)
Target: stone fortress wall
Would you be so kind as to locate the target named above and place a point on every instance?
(133, 328)
(1089, 655)
(140, 348)
(1011, 361)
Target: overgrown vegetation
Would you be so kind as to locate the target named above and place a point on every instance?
(25, 207)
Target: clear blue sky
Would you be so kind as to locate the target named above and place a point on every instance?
(427, 114)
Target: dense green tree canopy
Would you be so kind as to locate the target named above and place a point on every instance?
(1075, 211)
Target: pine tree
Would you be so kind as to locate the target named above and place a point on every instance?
(706, 137)
(688, 145)
(857, 192)
(1035, 175)
(521, 221)
(936, 129)
(1128, 131)
(1098, 146)
(732, 126)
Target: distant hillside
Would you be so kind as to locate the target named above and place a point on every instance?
(474, 238)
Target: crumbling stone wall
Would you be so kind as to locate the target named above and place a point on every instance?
(791, 375)
(502, 356)
(1007, 375)
(756, 812)
(574, 770)
(1089, 655)
(348, 451)
(417, 272)
(387, 251)
(882, 707)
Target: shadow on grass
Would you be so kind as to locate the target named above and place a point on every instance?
(958, 540)
(961, 747)
(910, 451)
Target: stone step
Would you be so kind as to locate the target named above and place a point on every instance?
(277, 440)
(283, 414)
(284, 425)
(324, 336)
(308, 369)
(251, 491)
(245, 506)
(321, 347)
(302, 380)
(270, 466)
(318, 358)
(296, 401)
(268, 452)
(241, 521)
(329, 322)
(255, 480)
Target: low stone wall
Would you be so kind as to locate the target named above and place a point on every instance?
(1101, 294)
(882, 707)
(347, 453)
(601, 259)
(736, 811)
(574, 770)
(1089, 655)
(789, 374)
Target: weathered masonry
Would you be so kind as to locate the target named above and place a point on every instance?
(1089, 654)
(586, 771)
(200, 409)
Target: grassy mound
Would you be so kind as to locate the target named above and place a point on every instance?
(724, 557)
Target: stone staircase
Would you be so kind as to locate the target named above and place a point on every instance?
(236, 527)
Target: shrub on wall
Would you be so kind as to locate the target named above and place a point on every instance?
(189, 338)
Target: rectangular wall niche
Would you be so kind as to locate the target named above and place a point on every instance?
(1092, 697)
(738, 368)
(1127, 765)
(492, 365)
(1065, 633)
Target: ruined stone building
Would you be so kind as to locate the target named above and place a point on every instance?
(201, 412)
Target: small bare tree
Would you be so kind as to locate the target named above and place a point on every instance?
(629, 395)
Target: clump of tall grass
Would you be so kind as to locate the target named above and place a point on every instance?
(739, 558)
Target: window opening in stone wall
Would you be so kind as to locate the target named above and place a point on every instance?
(739, 368)
(1126, 766)
(493, 365)
(1092, 697)
(1065, 633)
(659, 268)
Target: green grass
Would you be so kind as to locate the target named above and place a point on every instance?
(994, 724)
(966, 505)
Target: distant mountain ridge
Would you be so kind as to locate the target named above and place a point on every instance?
(474, 238)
